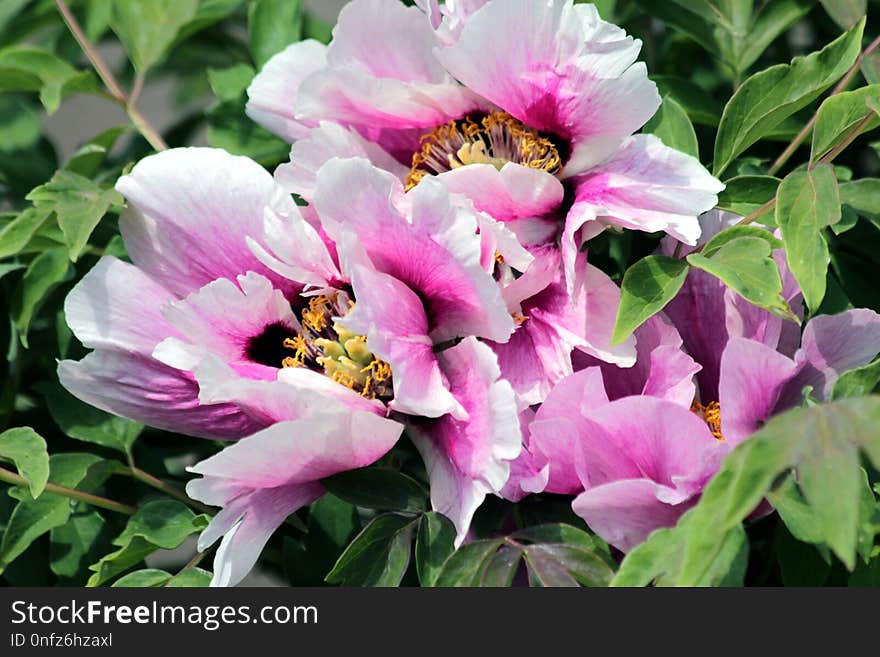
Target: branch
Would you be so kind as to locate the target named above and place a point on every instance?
(17, 480)
(802, 135)
(148, 131)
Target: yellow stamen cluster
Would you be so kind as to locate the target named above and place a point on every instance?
(711, 415)
(339, 353)
(495, 139)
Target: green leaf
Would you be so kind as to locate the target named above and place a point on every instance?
(647, 287)
(162, 524)
(858, 382)
(88, 158)
(845, 13)
(773, 19)
(806, 203)
(153, 578)
(28, 68)
(839, 115)
(502, 568)
(332, 525)
(378, 488)
(85, 422)
(765, 99)
(272, 26)
(17, 233)
(230, 83)
(79, 205)
(744, 265)
(27, 449)
(735, 232)
(863, 196)
(378, 556)
(190, 578)
(672, 125)
(230, 128)
(582, 566)
(659, 559)
(144, 578)
(147, 29)
(43, 275)
(434, 544)
(19, 124)
(77, 543)
(745, 194)
(32, 518)
(465, 566)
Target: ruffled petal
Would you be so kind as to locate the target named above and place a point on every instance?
(466, 460)
(382, 73)
(434, 248)
(559, 69)
(223, 319)
(189, 212)
(561, 424)
(262, 479)
(393, 319)
(625, 512)
(647, 186)
(832, 345)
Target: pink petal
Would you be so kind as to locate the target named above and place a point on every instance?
(752, 378)
(511, 193)
(143, 389)
(382, 73)
(189, 211)
(434, 248)
(221, 319)
(560, 426)
(648, 186)
(323, 143)
(393, 319)
(625, 512)
(273, 93)
(569, 73)
(467, 459)
(117, 306)
(834, 344)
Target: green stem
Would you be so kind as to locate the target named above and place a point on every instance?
(148, 131)
(102, 502)
(808, 128)
(168, 489)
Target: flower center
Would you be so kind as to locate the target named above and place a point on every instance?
(330, 348)
(496, 138)
(711, 415)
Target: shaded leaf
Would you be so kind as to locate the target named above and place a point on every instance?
(434, 544)
(27, 450)
(378, 556)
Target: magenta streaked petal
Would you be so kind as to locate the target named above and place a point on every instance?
(189, 212)
(650, 187)
(468, 459)
(434, 248)
(625, 512)
(567, 73)
(393, 319)
(141, 388)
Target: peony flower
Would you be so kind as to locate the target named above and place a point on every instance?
(538, 136)
(528, 123)
(639, 461)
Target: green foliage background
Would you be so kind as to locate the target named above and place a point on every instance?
(777, 97)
